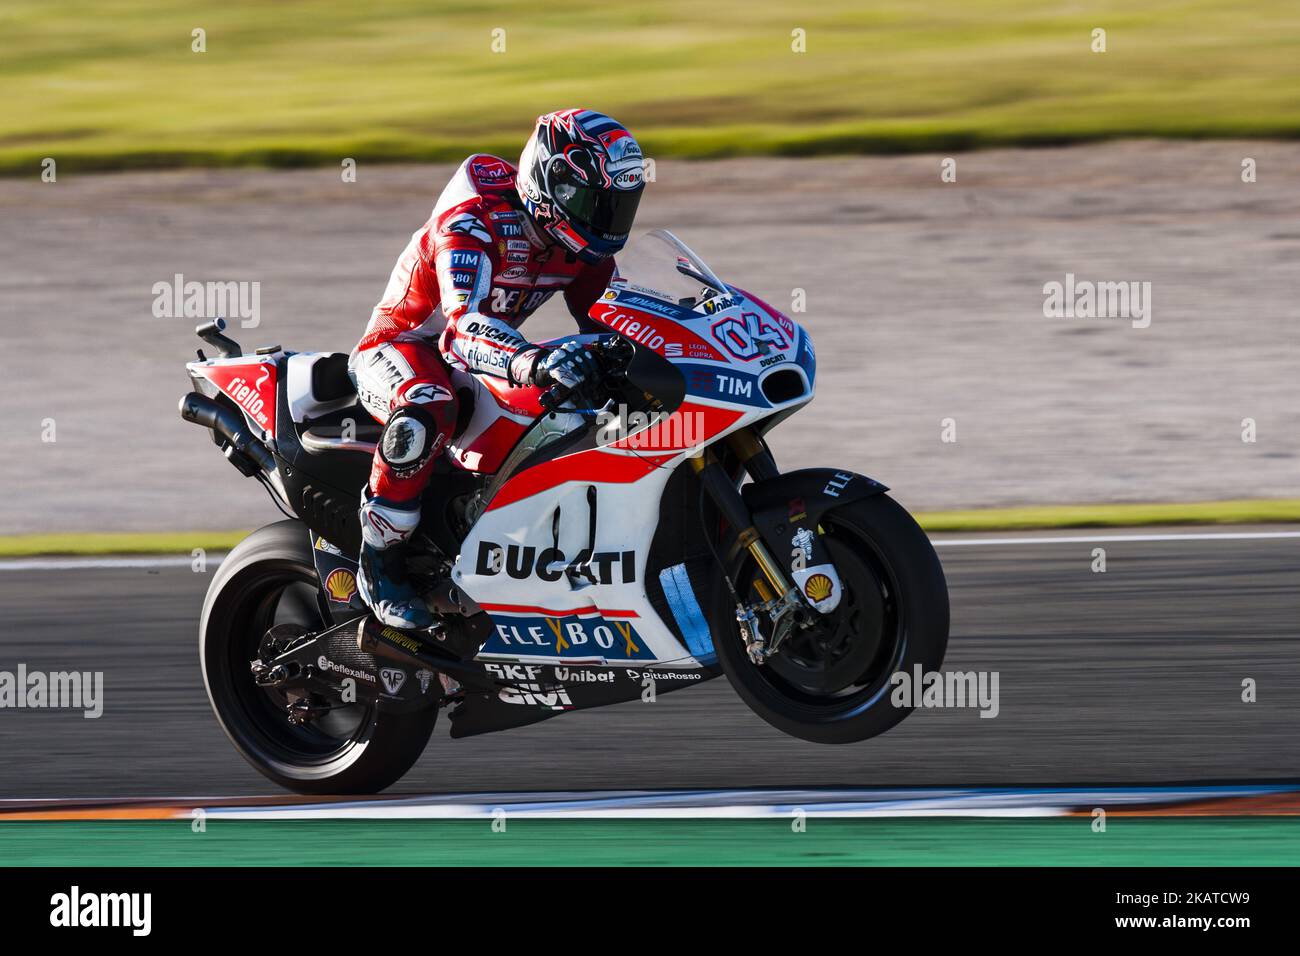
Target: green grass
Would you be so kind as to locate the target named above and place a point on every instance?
(917, 842)
(1113, 516)
(1041, 517)
(97, 543)
(108, 86)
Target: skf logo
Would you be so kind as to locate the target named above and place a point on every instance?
(341, 585)
(818, 588)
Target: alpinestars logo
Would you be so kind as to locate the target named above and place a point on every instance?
(426, 393)
(468, 225)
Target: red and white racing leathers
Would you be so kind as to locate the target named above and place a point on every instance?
(465, 282)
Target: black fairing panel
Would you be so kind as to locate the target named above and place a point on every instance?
(325, 489)
(803, 496)
(654, 375)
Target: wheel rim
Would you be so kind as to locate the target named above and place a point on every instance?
(285, 596)
(842, 664)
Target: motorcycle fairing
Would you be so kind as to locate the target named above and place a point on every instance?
(536, 692)
(250, 382)
(723, 351)
(500, 414)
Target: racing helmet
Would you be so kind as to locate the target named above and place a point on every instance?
(581, 178)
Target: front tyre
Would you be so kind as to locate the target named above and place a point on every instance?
(830, 683)
(269, 579)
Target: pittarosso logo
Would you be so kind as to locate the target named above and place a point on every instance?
(76, 909)
(53, 690)
(179, 299)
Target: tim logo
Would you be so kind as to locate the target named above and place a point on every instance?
(748, 336)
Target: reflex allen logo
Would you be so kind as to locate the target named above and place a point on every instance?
(55, 690)
(75, 909)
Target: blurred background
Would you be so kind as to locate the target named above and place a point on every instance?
(799, 150)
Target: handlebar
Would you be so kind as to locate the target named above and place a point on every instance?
(612, 354)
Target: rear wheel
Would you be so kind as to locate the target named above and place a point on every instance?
(270, 579)
(830, 682)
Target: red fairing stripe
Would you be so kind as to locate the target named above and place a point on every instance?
(251, 386)
(486, 452)
(592, 465)
(661, 335)
(525, 400)
(551, 612)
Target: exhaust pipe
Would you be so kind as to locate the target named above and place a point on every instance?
(202, 410)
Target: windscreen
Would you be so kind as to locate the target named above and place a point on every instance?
(659, 264)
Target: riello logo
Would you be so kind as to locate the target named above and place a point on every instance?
(246, 396)
(251, 396)
(550, 564)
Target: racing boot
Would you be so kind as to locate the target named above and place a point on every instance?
(382, 581)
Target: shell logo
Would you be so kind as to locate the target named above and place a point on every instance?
(341, 585)
(818, 587)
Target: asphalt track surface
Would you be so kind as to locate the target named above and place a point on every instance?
(1132, 676)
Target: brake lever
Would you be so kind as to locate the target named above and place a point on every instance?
(551, 398)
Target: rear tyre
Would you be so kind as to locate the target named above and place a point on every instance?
(831, 683)
(268, 579)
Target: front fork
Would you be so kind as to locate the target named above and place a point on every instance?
(812, 582)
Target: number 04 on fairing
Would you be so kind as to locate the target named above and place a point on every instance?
(577, 549)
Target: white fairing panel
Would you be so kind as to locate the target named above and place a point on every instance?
(303, 405)
(529, 560)
(547, 602)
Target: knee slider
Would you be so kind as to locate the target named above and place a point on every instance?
(409, 440)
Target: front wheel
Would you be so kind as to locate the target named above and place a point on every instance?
(270, 579)
(830, 682)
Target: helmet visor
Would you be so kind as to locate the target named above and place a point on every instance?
(608, 212)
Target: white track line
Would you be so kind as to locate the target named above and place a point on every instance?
(92, 563)
(1102, 538)
(746, 812)
(77, 564)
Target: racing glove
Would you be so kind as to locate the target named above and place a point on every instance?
(569, 365)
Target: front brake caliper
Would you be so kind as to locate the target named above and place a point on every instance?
(784, 614)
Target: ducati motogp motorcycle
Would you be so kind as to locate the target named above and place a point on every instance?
(630, 538)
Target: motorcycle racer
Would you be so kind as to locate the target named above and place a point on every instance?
(501, 241)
